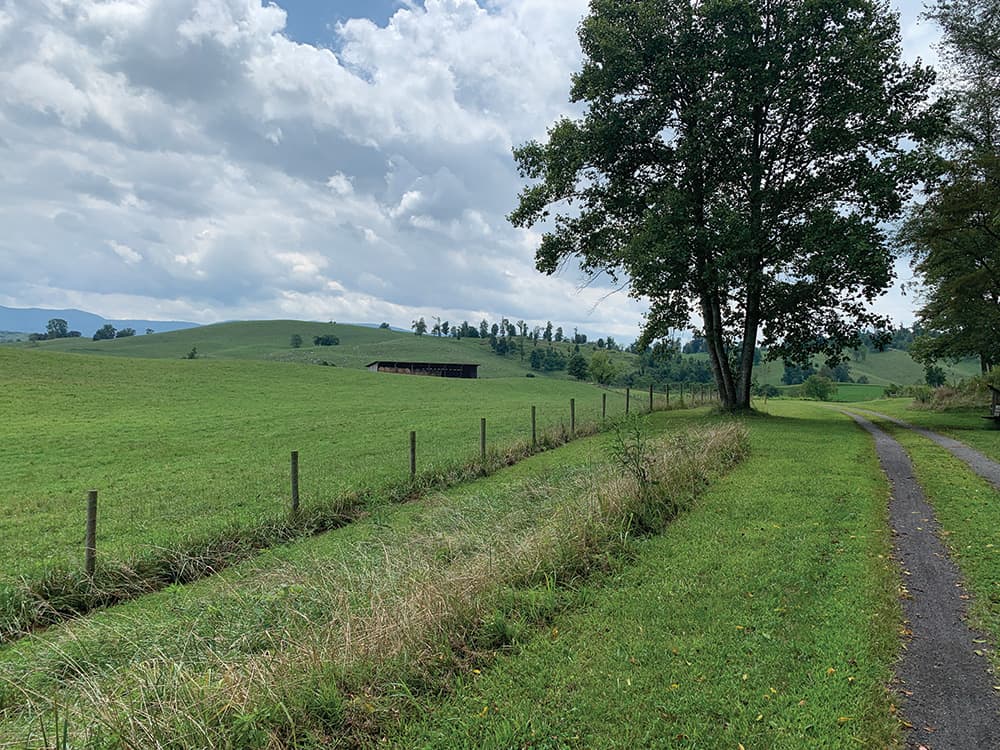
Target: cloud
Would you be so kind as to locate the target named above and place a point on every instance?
(241, 173)
(124, 252)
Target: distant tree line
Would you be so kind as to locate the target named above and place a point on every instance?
(504, 329)
(57, 328)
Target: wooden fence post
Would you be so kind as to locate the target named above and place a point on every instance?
(534, 431)
(413, 454)
(650, 397)
(572, 416)
(666, 390)
(628, 400)
(482, 439)
(295, 482)
(90, 545)
(604, 406)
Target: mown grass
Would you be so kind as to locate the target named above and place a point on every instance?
(184, 448)
(307, 642)
(262, 600)
(851, 392)
(766, 617)
(845, 393)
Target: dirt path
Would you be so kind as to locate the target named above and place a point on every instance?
(985, 467)
(947, 688)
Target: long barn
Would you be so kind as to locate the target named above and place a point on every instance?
(433, 369)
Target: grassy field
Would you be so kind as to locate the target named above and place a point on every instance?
(276, 597)
(845, 393)
(186, 448)
(755, 619)
(766, 615)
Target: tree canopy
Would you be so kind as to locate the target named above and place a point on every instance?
(105, 332)
(954, 234)
(735, 160)
(57, 328)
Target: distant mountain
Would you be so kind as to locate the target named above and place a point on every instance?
(34, 320)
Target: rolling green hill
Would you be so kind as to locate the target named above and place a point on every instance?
(271, 340)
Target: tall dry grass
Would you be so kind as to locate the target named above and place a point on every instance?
(970, 393)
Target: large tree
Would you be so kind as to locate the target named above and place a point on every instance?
(57, 328)
(955, 239)
(955, 233)
(735, 160)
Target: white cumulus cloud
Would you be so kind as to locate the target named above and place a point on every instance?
(244, 174)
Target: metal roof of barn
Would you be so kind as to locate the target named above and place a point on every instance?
(423, 364)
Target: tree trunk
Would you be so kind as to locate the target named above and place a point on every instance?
(751, 325)
(712, 315)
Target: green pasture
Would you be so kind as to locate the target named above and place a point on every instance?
(280, 596)
(180, 448)
(895, 366)
(852, 392)
(767, 615)
(845, 393)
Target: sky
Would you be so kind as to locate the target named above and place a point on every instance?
(347, 160)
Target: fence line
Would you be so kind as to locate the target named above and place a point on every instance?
(90, 543)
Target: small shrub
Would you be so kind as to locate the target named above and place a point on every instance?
(326, 340)
(934, 376)
(767, 391)
(819, 387)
